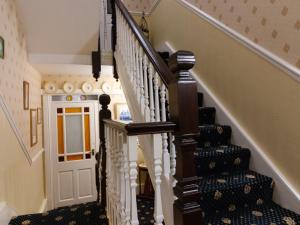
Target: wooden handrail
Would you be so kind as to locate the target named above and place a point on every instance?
(160, 66)
(135, 129)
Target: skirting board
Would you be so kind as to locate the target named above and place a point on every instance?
(43, 207)
(284, 194)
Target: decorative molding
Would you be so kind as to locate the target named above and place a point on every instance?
(266, 54)
(37, 155)
(16, 131)
(284, 193)
(79, 91)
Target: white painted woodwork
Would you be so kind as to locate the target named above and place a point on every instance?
(73, 181)
(147, 99)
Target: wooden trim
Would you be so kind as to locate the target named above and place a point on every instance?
(158, 63)
(26, 95)
(33, 143)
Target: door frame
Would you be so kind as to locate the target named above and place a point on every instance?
(47, 133)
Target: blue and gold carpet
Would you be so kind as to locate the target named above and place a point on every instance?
(84, 214)
(230, 192)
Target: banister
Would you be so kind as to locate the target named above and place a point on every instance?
(135, 129)
(158, 63)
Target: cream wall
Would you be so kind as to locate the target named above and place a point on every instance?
(21, 185)
(263, 99)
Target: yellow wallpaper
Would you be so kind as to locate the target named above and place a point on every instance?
(21, 185)
(14, 69)
(273, 24)
(140, 5)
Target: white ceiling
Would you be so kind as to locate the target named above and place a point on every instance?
(69, 27)
(61, 34)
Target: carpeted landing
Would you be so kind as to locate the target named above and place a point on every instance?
(84, 214)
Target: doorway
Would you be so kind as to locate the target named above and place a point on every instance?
(73, 142)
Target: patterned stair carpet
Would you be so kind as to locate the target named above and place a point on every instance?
(230, 192)
(84, 214)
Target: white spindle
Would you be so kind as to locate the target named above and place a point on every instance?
(127, 184)
(147, 109)
(137, 69)
(166, 155)
(156, 95)
(142, 91)
(122, 174)
(151, 92)
(132, 157)
(158, 213)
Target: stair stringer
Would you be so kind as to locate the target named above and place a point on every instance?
(146, 141)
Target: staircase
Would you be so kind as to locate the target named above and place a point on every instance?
(230, 192)
(198, 175)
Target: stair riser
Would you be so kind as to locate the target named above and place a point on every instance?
(222, 163)
(206, 115)
(214, 136)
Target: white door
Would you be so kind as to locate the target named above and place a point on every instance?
(73, 148)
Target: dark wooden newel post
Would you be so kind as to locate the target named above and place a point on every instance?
(184, 112)
(103, 114)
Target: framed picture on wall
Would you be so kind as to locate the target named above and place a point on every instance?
(1, 48)
(33, 127)
(25, 95)
(122, 112)
(39, 116)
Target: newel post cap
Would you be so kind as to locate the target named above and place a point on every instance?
(182, 60)
(104, 99)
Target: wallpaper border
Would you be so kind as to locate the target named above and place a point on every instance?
(266, 54)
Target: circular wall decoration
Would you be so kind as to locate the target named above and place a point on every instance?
(106, 87)
(50, 87)
(68, 88)
(87, 87)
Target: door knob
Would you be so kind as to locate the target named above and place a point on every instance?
(93, 151)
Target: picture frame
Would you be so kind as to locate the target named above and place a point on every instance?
(39, 116)
(2, 48)
(122, 112)
(33, 127)
(25, 95)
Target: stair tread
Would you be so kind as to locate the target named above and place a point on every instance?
(206, 115)
(266, 214)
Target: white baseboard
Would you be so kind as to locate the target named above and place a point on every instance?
(43, 207)
(284, 193)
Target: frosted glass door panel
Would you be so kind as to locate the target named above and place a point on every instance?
(74, 138)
